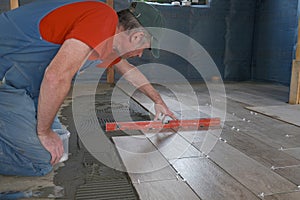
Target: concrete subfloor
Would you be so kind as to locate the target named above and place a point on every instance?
(256, 156)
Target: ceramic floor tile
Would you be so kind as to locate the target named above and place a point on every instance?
(257, 150)
(215, 112)
(165, 190)
(142, 160)
(210, 182)
(198, 136)
(291, 173)
(286, 196)
(288, 113)
(173, 146)
(295, 152)
(256, 177)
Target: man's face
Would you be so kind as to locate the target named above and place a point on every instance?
(129, 45)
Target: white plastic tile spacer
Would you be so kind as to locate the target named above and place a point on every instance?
(262, 195)
(281, 149)
(288, 136)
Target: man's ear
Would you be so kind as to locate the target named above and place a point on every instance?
(136, 37)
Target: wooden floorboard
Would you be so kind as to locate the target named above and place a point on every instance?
(210, 182)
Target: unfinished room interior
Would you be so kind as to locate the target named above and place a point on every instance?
(229, 73)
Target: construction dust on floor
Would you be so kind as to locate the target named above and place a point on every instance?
(81, 176)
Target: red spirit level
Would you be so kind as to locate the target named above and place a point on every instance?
(203, 123)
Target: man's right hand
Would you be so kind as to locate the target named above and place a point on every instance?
(52, 143)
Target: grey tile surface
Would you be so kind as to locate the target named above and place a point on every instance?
(142, 160)
(286, 196)
(295, 152)
(165, 190)
(173, 145)
(256, 177)
(257, 150)
(291, 173)
(287, 113)
(243, 164)
(210, 182)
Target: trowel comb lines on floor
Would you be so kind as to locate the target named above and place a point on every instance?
(199, 124)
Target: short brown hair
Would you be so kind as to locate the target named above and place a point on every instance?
(127, 20)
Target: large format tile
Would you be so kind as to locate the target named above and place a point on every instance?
(295, 152)
(285, 196)
(165, 190)
(199, 136)
(287, 113)
(291, 173)
(258, 150)
(142, 160)
(270, 132)
(173, 146)
(209, 111)
(253, 99)
(210, 182)
(256, 177)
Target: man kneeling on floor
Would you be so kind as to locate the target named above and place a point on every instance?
(42, 46)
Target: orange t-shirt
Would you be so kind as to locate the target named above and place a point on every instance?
(91, 22)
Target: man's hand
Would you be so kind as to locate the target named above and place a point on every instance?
(162, 109)
(52, 143)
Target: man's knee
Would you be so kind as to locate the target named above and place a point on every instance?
(14, 162)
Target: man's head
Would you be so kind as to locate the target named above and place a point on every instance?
(135, 23)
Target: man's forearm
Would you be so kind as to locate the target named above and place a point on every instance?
(57, 81)
(151, 92)
(52, 95)
(137, 79)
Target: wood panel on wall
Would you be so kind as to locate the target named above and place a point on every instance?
(110, 71)
(14, 4)
(295, 77)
